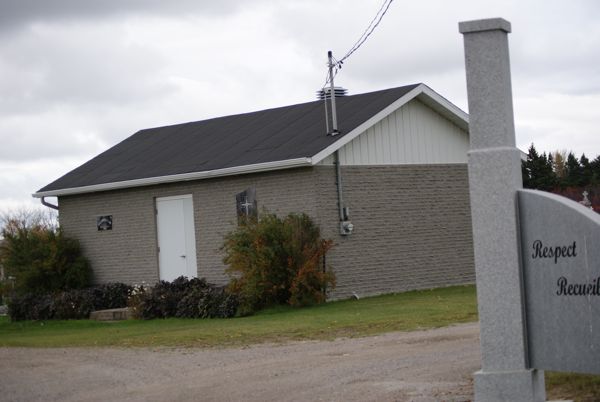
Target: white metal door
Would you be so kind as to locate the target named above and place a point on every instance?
(176, 237)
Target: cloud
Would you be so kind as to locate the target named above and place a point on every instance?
(19, 180)
(77, 64)
(76, 77)
(66, 89)
(19, 14)
(557, 49)
(559, 121)
(49, 134)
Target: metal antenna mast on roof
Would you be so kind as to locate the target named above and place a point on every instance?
(337, 64)
(330, 64)
(346, 227)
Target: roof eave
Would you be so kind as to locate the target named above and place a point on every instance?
(245, 169)
(422, 92)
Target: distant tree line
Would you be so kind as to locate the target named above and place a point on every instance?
(561, 172)
(559, 169)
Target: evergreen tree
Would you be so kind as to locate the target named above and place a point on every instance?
(538, 171)
(527, 167)
(573, 172)
(586, 171)
(563, 174)
(595, 167)
(546, 178)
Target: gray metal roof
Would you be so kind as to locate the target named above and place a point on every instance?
(271, 135)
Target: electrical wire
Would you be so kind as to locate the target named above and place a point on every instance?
(368, 31)
(334, 65)
(337, 64)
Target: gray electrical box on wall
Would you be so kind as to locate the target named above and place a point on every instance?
(346, 227)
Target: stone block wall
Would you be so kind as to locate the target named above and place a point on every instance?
(412, 227)
(128, 253)
(412, 224)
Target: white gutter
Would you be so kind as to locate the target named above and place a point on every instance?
(255, 168)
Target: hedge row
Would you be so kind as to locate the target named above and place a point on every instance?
(183, 298)
(70, 304)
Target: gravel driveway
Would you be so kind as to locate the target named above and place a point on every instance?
(431, 365)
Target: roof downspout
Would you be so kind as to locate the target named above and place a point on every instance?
(338, 182)
(47, 204)
(346, 226)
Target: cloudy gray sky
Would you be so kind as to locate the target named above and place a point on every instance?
(78, 76)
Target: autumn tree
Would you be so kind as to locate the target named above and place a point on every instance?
(37, 254)
(558, 163)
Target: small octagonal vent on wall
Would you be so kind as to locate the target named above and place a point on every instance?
(104, 222)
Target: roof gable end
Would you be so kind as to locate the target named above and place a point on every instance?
(424, 94)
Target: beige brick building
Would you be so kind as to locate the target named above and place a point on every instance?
(158, 204)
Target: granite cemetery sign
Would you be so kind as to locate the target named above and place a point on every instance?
(539, 301)
(560, 244)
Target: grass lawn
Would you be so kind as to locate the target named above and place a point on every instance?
(397, 312)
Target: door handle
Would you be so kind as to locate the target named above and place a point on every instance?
(182, 256)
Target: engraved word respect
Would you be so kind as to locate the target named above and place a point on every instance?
(556, 252)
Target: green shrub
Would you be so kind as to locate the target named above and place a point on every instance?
(135, 302)
(274, 261)
(161, 301)
(217, 302)
(190, 296)
(30, 306)
(183, 298)
(148, 304)
(73, 304)
(187, 307)
(110, 295)
(6, 289)
(41, 258)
